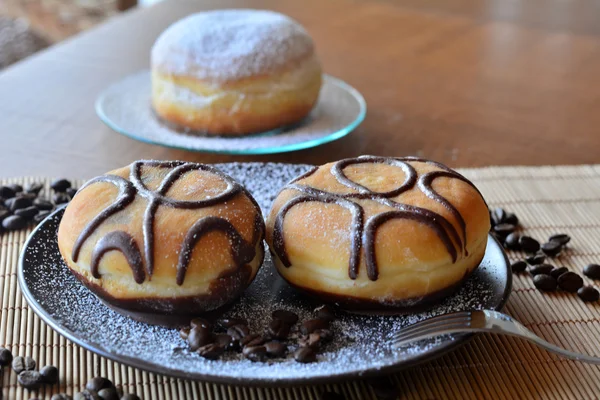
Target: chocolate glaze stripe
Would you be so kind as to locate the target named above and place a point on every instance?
(241, 251)
(125, 197)
(126, 244)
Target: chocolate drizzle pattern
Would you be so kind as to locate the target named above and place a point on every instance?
(363, 233)
(241, 250)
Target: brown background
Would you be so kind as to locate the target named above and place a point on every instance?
(469, 83)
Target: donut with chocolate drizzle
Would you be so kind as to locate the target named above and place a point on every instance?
(363, 233)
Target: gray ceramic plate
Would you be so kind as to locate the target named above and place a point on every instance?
(360, 348)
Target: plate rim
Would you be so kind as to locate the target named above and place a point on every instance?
(36, 307)
(259, 151)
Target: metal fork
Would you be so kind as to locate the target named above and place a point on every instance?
(479, 321)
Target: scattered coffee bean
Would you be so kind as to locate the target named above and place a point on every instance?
(511, 218)
(31, 380)
(570, 282)
(305, 355)
(551, 248)
(223, 340)
(199, 337)
(108, 394)
(536, 259)
(60, 185)
(561, 238)
(211, 351)
(592, 271)
(544, 282)
(15, 187)
(42, 204)
(4, 213)
(512, 241)
(20, 202)
(61, 396)
(279, 329)
(252, 339)
(237, 332)
(49, 374)
(556, 272)
(384, 388)
(71, 192)
(288, 317)
(27, 213)
(312, 325)
(13, 223)
(60, 198)
(325, 312)
(529, 244)
(34, 188)
(98, 383)
(184, 333)
(201, 322)
(5, 357)
(503, 230)
(20, 364)
(7, 192)
(255, 353)
(332, 396)
(86, 395)
(518, 266)
(588, 294)
(227, 323)
(275, 348)
(39, 217)
(130, 396)
(541, 269)
(498, 216)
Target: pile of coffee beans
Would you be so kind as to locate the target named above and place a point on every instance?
(22, 206)
(546, 277)
(100, 388)
(211, 340)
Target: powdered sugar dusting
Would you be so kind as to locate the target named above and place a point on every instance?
(361, 342)
(225, 45)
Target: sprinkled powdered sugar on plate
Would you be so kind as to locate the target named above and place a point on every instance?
(360, 342)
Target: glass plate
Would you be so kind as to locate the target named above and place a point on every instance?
(125, 107)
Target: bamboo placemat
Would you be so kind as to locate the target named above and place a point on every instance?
(547, 200)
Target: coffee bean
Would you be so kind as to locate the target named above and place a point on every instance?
(544, 282)
(305, 355)
(130, 396)
(86, 395)
(14, 222)
(227, 323)
(512, 241)
(503, 230)
(4, 213)
(34, 188)
(332, 396)
(518, 266)
(50, 374)
(588, 293)
(275, 348)
(60, 198)
(551, 248)
(498, 216)
(184, 333)
(60, 185)
(31, 380)
(20, 202)
(27, 213)
(316, 339)
(39, 217)
(529, 244)
(279, 329)
(199, 337)
(223, 340)
(237, 332)
(98, 383)
(255, 353)
(7, 192)
(384, 388)
(313, 324)
(536, 259)
(592, 271)
(71, 192)
(20, 364)
(42, 204)
(541, 269)
(512, 219)
(570, 282)
(561, 238)
(325, 312)
(252, 339)
(15, 187)
(556, 272)
(288, 317)
(108, 394)
(211, 351)
(5, 357)
(61, 396)
(201, 322)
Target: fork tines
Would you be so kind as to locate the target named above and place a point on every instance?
(432, 327)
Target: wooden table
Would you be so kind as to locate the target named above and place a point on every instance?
(465, 82)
